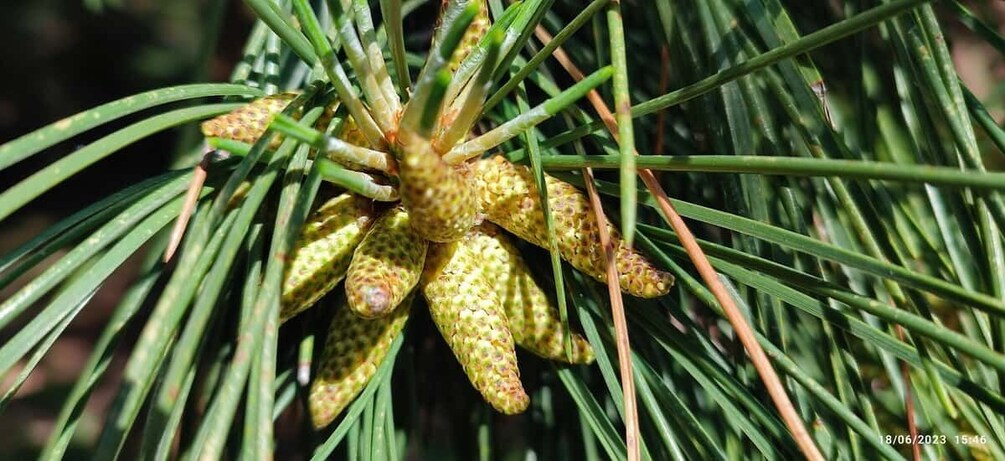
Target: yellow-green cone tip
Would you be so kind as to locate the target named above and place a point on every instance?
(479, 25)
(439, 198)
(353, 351)
(509, 197)
(386, 266)
(532, 318)
(323, 251)
(246, 124)
(468, 314)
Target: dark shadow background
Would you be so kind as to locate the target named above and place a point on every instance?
(60, 57)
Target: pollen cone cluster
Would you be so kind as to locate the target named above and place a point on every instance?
(323, 251)
(532, 319)
(386, 265)
(480, 292)
(439, 197)
(509, 198)
(354, 349)
(468, 314)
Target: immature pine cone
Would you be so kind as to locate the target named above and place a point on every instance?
(532, 318)
(323, 251)
(467, 312)
(509, 198)
(386, 265)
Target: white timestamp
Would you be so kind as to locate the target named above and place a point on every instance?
(933, 439)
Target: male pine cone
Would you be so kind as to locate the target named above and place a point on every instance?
(386, 265)
(468, 314)
(354, 349)
(323, 252)
(509, 197)
(531, 317)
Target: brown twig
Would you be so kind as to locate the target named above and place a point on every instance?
(912, 425)
(740, 325)
(632, 432)
(188, 206)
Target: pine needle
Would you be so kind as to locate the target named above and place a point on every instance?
(742, 328)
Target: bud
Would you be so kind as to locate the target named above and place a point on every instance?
(509, 198)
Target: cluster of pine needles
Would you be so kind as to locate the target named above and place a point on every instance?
(360, 215)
